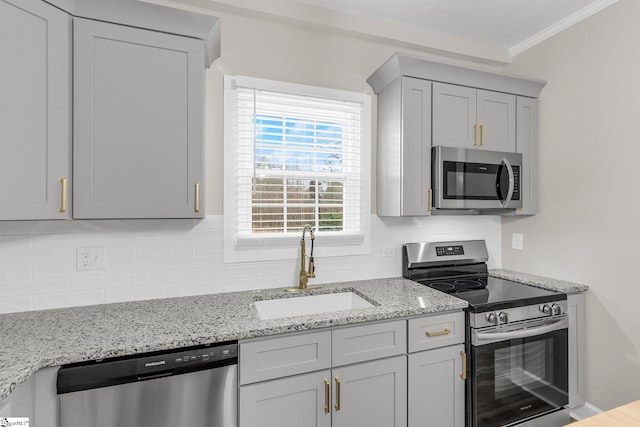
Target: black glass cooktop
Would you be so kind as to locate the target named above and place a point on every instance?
(485, 293)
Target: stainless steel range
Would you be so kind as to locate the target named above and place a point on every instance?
(516, 336)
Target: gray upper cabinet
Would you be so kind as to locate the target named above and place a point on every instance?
(527, 145)
(466, 117)
(35, 111)
(404, 148)
(424, 104)
(138, 123)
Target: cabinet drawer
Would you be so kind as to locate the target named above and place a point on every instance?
(368, 342)
(279, 357)
(436, 331)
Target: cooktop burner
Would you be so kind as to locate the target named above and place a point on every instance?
(491, 292)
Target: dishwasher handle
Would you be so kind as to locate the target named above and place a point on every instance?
(147, 366)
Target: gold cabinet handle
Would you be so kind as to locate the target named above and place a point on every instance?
(481, 134)
(430, 196)
(337, 394)
(63, 205)
(439, 333)
(327, 396)
(475, 135)
(463, 375)
(197, 208)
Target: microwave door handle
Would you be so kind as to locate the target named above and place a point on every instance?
(512, 180)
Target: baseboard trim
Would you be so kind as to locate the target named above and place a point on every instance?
(584, 411)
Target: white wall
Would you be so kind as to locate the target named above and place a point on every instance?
(154, 259)
(587, 230)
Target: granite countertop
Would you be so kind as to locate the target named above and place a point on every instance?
(540, 282)
(38, 339)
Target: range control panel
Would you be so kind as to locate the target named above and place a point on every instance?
(449, 250)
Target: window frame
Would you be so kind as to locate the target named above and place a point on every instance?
(265, 247)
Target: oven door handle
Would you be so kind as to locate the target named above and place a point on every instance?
(512, 180)
(522, 333)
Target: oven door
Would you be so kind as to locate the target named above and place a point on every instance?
(519, 371)
(473, 179)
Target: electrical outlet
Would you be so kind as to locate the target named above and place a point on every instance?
(517, 241)
(389, 252)
(90, 258)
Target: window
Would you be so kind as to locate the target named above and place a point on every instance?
(294, 155)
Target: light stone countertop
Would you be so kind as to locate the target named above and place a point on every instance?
(540, 281)
(37, 339)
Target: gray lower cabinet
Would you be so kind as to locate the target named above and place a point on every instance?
(138, 123)
(436, 387)
(35, 111)
(298, 401)
(404, 148)
(466, 117)
(345, 377)
(437, 371)
(371, 394)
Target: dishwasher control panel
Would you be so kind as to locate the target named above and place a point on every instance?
(186, 359)
(146, 366)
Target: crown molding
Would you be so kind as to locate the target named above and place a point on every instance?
(561, 25)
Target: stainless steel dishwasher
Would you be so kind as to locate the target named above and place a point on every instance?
(195, 387)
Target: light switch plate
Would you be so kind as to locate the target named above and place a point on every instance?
(517, 241)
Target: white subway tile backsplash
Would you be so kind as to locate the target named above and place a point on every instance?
(146, 259)
(15, 304)
(12, 273)
(102, 281)
(69, 299)
(135, 265)
(33, 287)
(165, 277)
(135, 293)
(184, 290)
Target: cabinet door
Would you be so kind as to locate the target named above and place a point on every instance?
(299, 401)
(454, 116)
(436, 389)
(496, 114)
(138, 134)
(416, 147)
(371, 394)
(527, 145)
(35, 109)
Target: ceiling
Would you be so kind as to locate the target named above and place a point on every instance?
(511, 24)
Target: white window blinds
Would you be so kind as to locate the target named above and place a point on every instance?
(299, 161)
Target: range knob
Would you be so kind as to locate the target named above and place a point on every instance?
(556, 309)
(546, 309)
(493, 318)
(504, 318)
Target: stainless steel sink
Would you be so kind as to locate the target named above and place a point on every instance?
(310, 304)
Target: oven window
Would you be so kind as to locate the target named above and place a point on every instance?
(518, 379)
(474, 181)
(523, 367)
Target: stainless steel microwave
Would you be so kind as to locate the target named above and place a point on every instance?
(476, 179)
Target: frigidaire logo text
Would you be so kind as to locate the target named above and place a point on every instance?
(158, 363)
